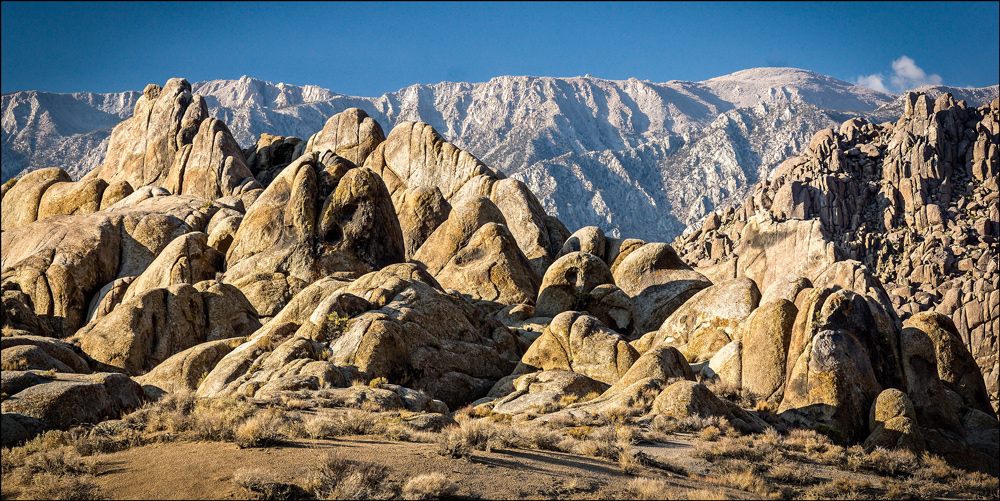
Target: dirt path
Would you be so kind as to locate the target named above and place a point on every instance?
(203, 470)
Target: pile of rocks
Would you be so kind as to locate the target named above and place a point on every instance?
(915, 201)
(358, 255)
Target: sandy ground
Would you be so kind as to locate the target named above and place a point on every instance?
(203, 470)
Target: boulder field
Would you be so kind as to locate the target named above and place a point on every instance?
(305, 266)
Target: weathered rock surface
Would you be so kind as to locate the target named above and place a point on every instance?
(589, 239)
(65, 400)
(21, 206)
(706, 322)
(170, 141)
(831, 386)
(313, 220)
(658, 282)
(415, 155)
(568, 283)
(955, 366)
(893, 423)
(350, 134)
(421, 211)
(148, 329)
(490, 266)
(685, 399)
(766, 335)
(269, 155)
(62, 261)
(580, 343)
(914, 201)
(185, 370)
(540, 390)
(42, 353)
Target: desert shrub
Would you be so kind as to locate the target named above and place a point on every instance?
(579, 432)
(429, 486)
(261, 429)
(338, 478)
(52, 486)
(263, 484)
(47, 467)
(729, 447)
(838, 488)
(977, 484)
(451, 444)
(355, 422)
(791, 473)
(321, 427)
(745, 476)
(378, 382)
(934, 468)
(710, 433)
(882, 461)
(649, 489)
(537, 437)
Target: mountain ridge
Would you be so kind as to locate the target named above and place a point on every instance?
(596, 151)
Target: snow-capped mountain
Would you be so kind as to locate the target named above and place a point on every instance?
(636, 158)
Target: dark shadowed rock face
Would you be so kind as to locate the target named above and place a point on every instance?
(316, 218)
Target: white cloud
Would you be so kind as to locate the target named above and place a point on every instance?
(906, 75)
(872, 82)
(910, 76)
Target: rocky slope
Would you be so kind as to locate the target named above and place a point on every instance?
(401, 259)
(915, 201)
(632, 157)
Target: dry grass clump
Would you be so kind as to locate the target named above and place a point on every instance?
(260, 430)
(839, 488)
(881, 461)
(181, 415)
(474, 434)
(338, 478)
(791, 473)
(429, 486)
(47, 467)
(262, 484)
(745, 447)
(648, 489)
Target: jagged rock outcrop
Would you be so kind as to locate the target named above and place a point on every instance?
(183, 371)
(314, 219)
(421, 211)
(269, 155)
(473, 252)
(766, 335)
(893, 423)
(538, 391)
(170, 141)
(21, 206)
(42, 353)
(707, 321)
(570, 283)
(914, 201)
(415, 155)
(490, 266)
(402, 326)
(350, 134)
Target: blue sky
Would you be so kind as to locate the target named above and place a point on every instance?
(368, 49)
